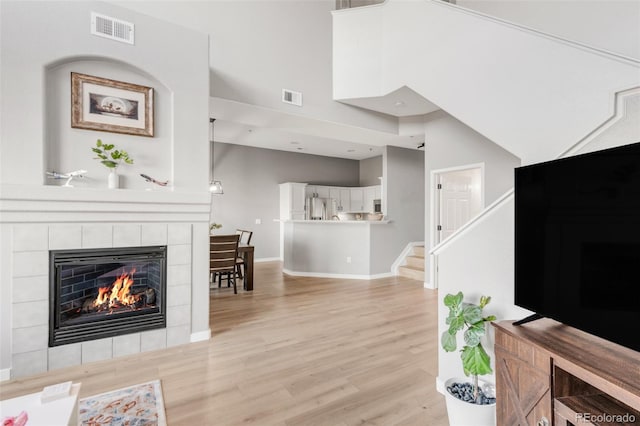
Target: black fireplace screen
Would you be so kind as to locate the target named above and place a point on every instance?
(98, 293)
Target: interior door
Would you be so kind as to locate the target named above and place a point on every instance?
(459, 199)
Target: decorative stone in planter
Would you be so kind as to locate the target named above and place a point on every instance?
(463, 413)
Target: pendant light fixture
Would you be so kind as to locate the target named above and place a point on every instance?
(215, 186)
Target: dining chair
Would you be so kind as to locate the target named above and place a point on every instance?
(223, 252)
(245, 238)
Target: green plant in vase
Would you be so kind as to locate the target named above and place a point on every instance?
(111, 158)
(468, 317)
(214, 226)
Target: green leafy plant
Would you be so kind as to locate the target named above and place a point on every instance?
(468, 317)
(109, 156)
(214, 226)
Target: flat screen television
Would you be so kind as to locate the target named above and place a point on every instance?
(577, 242)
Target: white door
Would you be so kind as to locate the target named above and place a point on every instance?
(459, 197)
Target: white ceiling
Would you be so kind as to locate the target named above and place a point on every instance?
(250, 125)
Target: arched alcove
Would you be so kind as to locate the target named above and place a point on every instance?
(67, 149)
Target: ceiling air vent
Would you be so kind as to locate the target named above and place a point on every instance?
(111, 28)
(291, 97)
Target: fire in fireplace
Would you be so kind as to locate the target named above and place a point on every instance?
(98, 293)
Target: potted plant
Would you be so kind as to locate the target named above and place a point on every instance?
(214, 226)
(464, 398)
(111, 158)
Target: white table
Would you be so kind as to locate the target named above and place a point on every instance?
(61, 412)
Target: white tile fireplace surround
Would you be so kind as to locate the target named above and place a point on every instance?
(67, 218)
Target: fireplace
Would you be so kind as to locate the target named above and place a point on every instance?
(99, 293)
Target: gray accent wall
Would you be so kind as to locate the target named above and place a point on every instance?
(404, 194)
(250, 178)
(370, 171)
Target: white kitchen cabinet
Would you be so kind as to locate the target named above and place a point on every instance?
(310, 190)
(371, 193)
(357, 199)
(334, 192)
(317, 191)
(345, 199)
(292, 198)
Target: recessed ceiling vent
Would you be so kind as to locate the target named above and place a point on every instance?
(291, 97)
(111, 28)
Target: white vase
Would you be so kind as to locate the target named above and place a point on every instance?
(463, 413)
(113, 179)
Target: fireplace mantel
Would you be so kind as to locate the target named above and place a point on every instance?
(35, 219)
(46, 203)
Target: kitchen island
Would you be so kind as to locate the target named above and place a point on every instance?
(340, 249)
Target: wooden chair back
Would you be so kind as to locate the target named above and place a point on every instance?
(245, 236)
(223, 251)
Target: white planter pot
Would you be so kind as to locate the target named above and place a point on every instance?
(114, 179)
(463, 413)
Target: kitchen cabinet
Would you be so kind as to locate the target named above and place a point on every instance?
(317, 191)
(334, 192)
(292, 199)
(357, 200)
(345, 199)
(371, 193)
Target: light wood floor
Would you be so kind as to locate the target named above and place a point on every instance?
(295, 351)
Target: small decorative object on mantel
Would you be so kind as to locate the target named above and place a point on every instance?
(111, 106)
(469, 403)
(111, 158)
(152, 180)
(214, 226)
(68, 176)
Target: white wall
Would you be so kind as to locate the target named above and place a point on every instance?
(260, 47)
(39, 43)
(486, 249)
(450, 143)
(27, 55)
(612, 25)
(534, 95)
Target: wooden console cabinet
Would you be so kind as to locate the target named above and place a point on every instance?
(548, 373)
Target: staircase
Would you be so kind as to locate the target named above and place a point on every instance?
(533, 94)
(414, 265)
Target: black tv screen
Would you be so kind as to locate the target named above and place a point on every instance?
(577, 242)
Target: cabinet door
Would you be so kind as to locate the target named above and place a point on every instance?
(311, 190)
(322, 191)
(334, 192)
(378, 191)
(297, 197)
(523, 392)
(369, 196)
(357, 199)
(345, 199)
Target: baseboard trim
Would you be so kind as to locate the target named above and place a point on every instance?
(340, 276)
(200, 336)
(266, 259)
(5, 374)
(428, 285)
(440, 385)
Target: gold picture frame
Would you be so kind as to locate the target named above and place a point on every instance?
(111, 106)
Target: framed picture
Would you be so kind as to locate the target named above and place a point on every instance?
(111, 106)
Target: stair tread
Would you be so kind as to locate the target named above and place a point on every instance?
(415, 256)
(412, 268)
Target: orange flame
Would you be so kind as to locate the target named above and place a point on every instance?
(117, 293)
